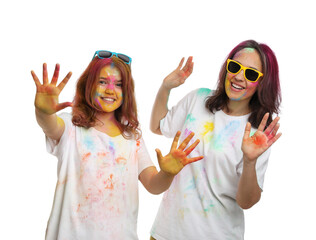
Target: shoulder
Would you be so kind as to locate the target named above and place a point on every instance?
(65, 116)
(199, 95)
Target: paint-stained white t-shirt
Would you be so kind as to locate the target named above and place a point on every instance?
(96, 195)
(201, 202)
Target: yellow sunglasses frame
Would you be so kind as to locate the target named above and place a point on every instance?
(260, 74)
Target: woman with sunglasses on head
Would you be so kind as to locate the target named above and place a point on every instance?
(101, 154)
(235, 126)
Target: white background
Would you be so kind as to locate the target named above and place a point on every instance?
(156, 35)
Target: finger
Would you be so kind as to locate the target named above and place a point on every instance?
(247, 131)
(159, 155)
(174, 144)
(45, 75)
(274, 139)
(186, 141)
(64, 81)
(272, 126)
(63, 105)
(191, 148)
(274, 131)
(56, 74)
(36, 80)
(180, 64)
(263, 122)
(191, 160)
(188, 66)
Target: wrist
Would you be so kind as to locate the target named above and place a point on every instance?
(40, 112)
(249, 161)
(166, 174)
(164, 87)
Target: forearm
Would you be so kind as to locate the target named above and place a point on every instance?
(160, 109)
(52, 125)
(155, 182)
(249, 192)
(160, 182)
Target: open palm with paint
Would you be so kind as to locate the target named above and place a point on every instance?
(46, 99)
(177, 158)
(252, 147)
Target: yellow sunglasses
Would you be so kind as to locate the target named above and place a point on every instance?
(252, 75)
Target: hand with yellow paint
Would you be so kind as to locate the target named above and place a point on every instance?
(178, 76)
(46, 99)
(177, 157)
(252, 147)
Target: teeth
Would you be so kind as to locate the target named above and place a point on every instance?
(237, 87)
(108, 99)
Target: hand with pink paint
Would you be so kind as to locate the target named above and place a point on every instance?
(46, 99)
(252, 147)
(179, 75)
(177, 158)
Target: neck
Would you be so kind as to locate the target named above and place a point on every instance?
(106, 117)
(108, 124)
(237, 108)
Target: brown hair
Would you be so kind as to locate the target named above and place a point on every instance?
(84, 111)
(267, 98)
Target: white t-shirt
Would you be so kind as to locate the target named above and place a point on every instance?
(96, 195)
(201, 202)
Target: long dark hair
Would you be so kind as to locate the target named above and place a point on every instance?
(267, 98)
(84, 111)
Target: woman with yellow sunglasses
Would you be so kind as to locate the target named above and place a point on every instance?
(236, 129)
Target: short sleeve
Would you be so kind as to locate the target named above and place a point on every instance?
(52, 146)
(261, 167)
(143, 157)
(176, 116)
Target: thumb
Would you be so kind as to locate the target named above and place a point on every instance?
(63, 105)
(159, 155)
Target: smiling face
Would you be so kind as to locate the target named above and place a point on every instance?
(236, 86)
(108, 94)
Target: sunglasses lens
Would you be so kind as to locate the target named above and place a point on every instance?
(104, 54)
(125, 58)
(251, 75)
(233, 67)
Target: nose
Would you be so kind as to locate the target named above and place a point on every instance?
(240, 76)
(109, 88)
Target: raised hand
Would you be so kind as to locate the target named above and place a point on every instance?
(179, 75)
(46, 99)
(177, 157)
(258, 143)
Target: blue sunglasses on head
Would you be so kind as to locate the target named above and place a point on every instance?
(107, 54)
